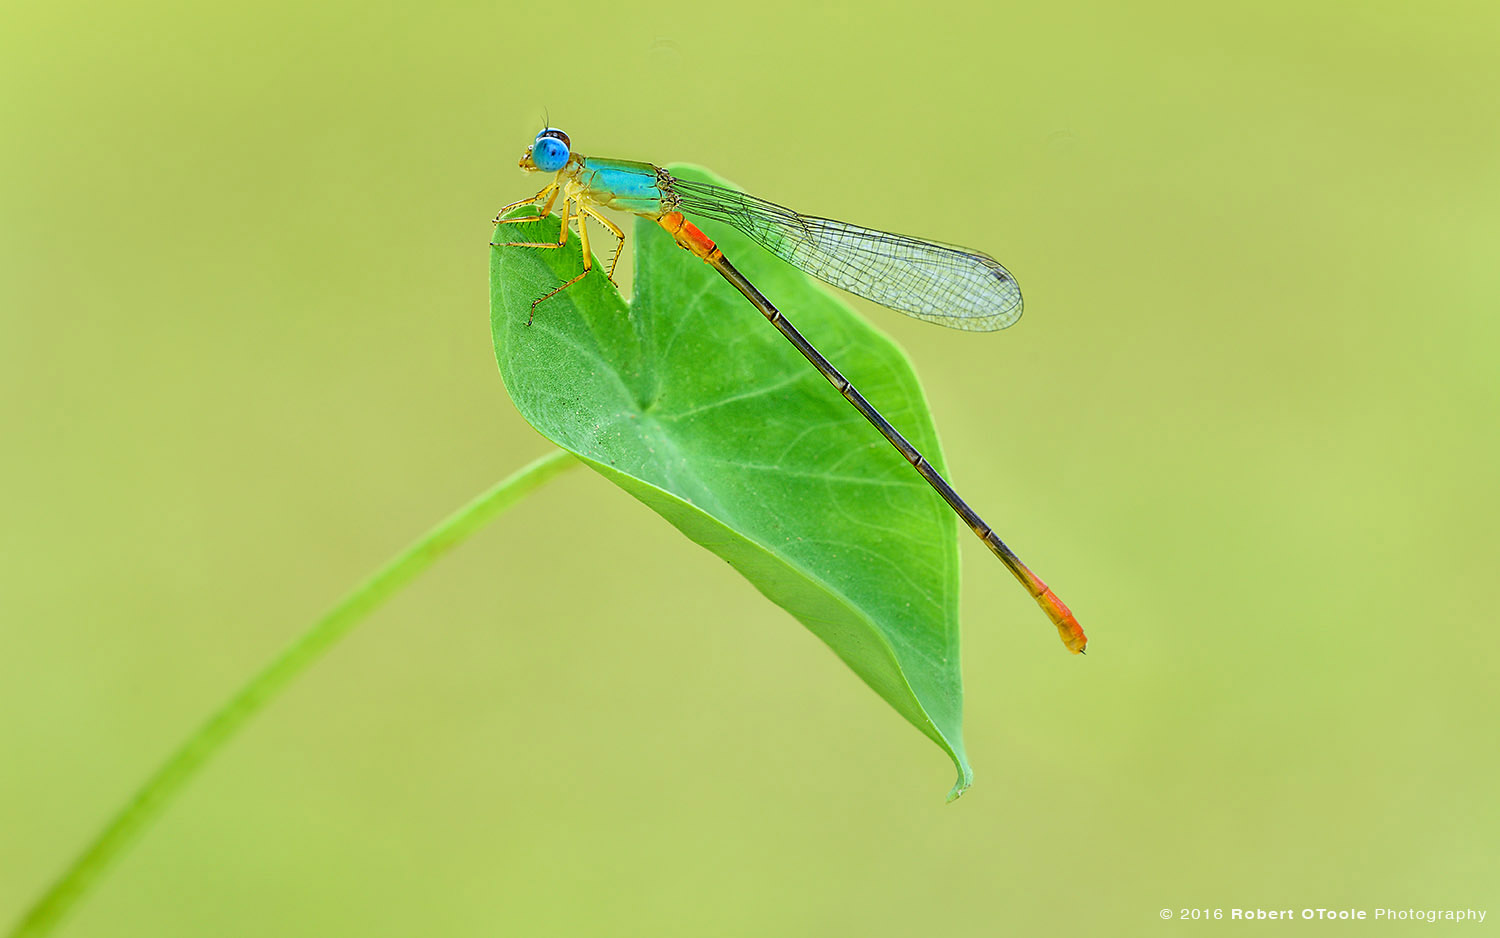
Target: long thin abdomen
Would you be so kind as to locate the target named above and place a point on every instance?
(688, 236)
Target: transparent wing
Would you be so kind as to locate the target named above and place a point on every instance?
(938, 283)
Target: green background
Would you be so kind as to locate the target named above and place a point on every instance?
(1247, 429)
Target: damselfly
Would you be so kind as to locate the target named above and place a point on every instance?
(938, 283)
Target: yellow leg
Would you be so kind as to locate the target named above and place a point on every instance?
(549, 193)
(551, 293)
(583, 214)
(583, 237)
(562, 239)
(614, 230)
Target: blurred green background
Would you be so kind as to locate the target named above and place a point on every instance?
(1247, 429)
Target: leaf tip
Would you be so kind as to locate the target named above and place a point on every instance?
(965, 779)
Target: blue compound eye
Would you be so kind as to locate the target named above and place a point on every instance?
(550, 151)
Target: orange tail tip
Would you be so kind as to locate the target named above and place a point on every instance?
(1067, 626)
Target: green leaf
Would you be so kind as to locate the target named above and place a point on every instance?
(690, 401)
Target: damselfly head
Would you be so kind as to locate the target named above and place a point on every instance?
(548, 153)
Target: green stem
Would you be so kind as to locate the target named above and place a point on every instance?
(159, 791)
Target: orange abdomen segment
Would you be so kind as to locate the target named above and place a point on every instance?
(687, 236)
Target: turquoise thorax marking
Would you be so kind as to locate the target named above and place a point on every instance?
(623, 184)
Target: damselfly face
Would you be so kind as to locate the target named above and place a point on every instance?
(548, 153)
